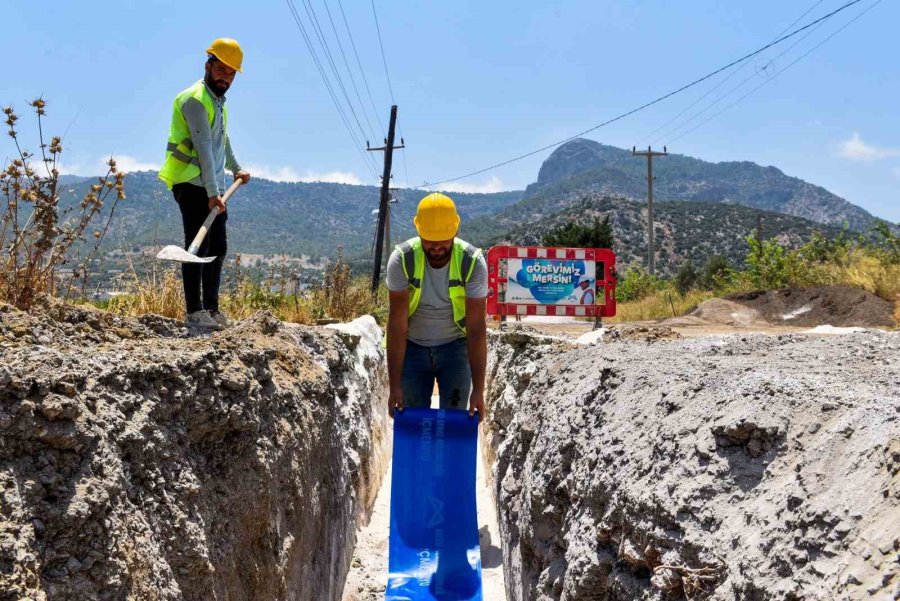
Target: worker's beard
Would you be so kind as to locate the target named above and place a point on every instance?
(438, 254)
(218, 87)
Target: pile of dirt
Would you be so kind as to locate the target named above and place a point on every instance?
(720, 311)
(137, 462)
(64, 326)
(639, 332)
(727, 467)
(809, 307)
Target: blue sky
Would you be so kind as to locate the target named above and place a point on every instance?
(476, 83)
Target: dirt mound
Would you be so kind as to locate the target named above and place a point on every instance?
(139, 463)
(720, 311)
(640, 333)
(834, 305)
(742, 467)
(60, 325)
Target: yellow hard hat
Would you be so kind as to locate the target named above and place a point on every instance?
(228, 51)
(436, 218)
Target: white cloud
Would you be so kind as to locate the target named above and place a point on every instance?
(97, 167)
(492, 185)
(855, 149)
(129, 164)
(289, 174)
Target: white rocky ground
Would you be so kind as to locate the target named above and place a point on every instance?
(139, 463)
(725, 467)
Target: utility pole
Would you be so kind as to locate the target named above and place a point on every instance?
(388, 149)
(650, 153)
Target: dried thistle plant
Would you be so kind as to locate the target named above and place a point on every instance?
(36, 239)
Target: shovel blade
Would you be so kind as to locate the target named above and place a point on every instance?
(176, 253)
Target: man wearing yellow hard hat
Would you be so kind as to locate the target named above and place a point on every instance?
(197, 155)
(436, 329)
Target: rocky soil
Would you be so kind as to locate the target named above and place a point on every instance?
(139, 463)
(743, 467)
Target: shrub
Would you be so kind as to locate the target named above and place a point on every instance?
(716, 273)
(637, 284)
(766, 264)
(887, 246)
(686, 278)
(36, 236)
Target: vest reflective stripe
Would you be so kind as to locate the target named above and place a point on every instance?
(182, 163)
(184, 158)
(462, 265)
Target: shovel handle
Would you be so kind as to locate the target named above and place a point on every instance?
(201, 234)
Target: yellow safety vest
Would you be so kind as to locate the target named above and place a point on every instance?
(462, 265)
(182, 163)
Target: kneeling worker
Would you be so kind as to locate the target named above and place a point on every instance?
(436, 329)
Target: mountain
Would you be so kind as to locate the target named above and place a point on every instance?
(267, 217)
(587, 166)
(686, 230)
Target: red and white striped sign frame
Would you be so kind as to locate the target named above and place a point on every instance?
(497, 280)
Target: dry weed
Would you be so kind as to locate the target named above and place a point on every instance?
(37, 236)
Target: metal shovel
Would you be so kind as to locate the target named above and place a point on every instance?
(176, 253)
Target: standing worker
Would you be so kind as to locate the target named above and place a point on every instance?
(436, 329)
(196, 158)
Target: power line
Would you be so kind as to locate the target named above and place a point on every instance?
(652, 102)
(311, 13)
(730, 75)
(383, 59)
(722, 97)
(797, 60)
(328, 87)
(361, 70)
(390, 87)
(349, 72)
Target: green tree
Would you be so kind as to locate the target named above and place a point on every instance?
(821, 249)
(766, 263)
(888, 243)
(575, 235)
(637, 283)
(686, 278)
(714, 273)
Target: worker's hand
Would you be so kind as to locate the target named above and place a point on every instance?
(395, 399)
(242, 175)
(216, 201)
(476, 403)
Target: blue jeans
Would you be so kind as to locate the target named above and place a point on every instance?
(448, 364)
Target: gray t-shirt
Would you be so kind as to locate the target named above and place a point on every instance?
(432, 323)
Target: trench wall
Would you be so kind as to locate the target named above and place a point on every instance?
(139, 463)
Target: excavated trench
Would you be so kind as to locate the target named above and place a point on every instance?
(137, 462)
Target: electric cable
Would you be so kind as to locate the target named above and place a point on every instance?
(797, 60)
(296, 16)
(652, 102)
(730, 75)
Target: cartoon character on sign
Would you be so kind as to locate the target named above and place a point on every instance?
(583, 293)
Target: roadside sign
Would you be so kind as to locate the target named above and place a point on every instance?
(537, 280)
